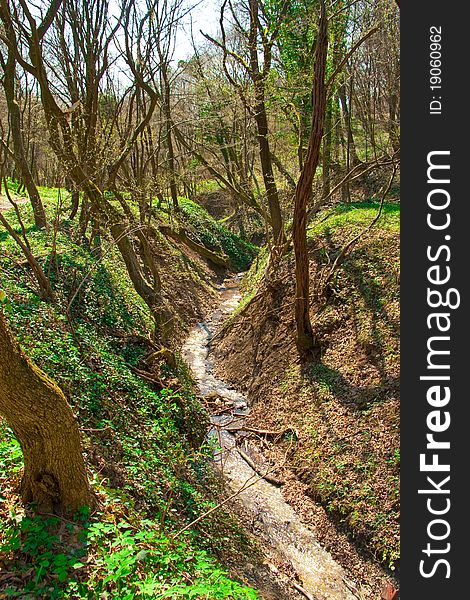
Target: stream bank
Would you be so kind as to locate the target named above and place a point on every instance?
(292, 551)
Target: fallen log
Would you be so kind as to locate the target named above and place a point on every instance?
(182, 236)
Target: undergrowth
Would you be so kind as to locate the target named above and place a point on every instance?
(216, 236)
(144, 443)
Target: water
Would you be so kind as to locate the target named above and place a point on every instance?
(283, 535)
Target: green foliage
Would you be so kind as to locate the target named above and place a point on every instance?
(296, 35)
(101, 556)
(142, 441)
(216, 237)
(355, 216)
(11, 457)
(295, 40)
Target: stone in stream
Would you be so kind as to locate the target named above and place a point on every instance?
(215, 398)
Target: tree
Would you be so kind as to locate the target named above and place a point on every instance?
(164, 51)
(45, 289)
(54, 476)
(8, 65)
(295, 42)
(218, 131)
(306, 342)
(64, 142)
(259, 36)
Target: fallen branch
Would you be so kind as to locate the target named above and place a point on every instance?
(300, 589)
(247, 484)
(258, 471)
(269, 433)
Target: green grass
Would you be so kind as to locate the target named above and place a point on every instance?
(144, 446)
(355, 216)
(207, 185)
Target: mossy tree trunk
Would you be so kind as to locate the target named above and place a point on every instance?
(43, 422)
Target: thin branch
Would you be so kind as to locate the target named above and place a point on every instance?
(342, 255)
(339, 68)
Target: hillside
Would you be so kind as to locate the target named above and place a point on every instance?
(141, 424)
(345, 409)
(199, 301)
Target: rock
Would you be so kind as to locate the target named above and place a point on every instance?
(215, 398)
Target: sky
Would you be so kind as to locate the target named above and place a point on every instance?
(204, 16)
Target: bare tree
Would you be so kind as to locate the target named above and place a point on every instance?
(259, 37)
(64, 143)
(9, 81)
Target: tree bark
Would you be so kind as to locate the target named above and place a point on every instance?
(14, 115)
(306, 342)
(168, 135)
(43, 422)
(268, 174)
(261, 119)
(326, 153)
(353, 159)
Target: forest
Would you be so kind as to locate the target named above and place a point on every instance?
(199, 299)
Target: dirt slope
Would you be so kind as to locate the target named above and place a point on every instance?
(346, 408)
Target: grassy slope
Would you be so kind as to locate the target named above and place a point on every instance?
(346, 408)
(142, 443)
(216, 237)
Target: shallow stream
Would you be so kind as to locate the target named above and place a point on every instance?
(279, 529)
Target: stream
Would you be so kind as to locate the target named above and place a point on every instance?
(274, 523)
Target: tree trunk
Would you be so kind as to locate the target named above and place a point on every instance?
(169, 140)
(43, 422)
(261, 119)
(21, 162)
(268, 174)
(353, 159)
(306, 342)
(327, 146)
(74, 197)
